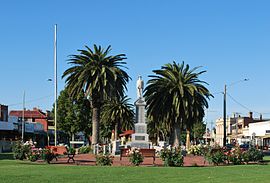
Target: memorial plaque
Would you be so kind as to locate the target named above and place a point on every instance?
(140, 138)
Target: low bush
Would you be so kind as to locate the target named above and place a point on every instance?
(196, 150)
(135, 156)
(71, 150)
(104, 160)
(21, 150)
(84, 149)
(235, 156)
(216, 156)
(47, 155)
(172, 157)
(254, 154)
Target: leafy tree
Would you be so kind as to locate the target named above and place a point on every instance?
(176, 96)
(119, 113)
(73, 115)
(199, 130)
(100, 76)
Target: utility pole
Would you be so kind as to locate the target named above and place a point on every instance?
(55, 85)
(224, 116)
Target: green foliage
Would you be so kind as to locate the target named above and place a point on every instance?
(47, 155)
(34, 157)
(135, 156)
(177, 97)
(235, 156)
(84, 149)
(71, 150)
(99, 76)
(216, 155)
(252, 154)
(117, 113)
(73, 115)
(199, 129)
(197, 150)
(21, 150)
(104, 160)
(172, 157)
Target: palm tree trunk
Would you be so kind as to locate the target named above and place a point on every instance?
(116, 131)
(176, 135)
(95, 124)
(188, 139)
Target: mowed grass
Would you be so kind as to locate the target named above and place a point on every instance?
(18, 171)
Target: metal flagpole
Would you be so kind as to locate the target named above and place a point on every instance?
(55, 85)
(23, 123)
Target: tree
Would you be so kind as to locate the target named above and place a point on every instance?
(176, 96)
(118, 112)
(100, 76)
(73, 115)
(199, 130)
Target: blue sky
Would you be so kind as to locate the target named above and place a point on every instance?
(230, 39)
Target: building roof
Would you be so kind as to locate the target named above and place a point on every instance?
(128, 132)
(35, 113)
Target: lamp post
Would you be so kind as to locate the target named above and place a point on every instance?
(224, 109)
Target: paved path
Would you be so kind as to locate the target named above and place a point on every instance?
(89, 159)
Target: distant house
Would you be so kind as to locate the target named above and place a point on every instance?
(239, 129)
(35, 115)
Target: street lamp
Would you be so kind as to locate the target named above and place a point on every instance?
(224, 109)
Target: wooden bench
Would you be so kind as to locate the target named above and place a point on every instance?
(61, 150)
(145, 152)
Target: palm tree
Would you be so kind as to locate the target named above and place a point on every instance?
(100, 76)
(118, 112)
(171, 96)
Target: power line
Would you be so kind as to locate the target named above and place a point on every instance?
(242, 105)
(30, 101)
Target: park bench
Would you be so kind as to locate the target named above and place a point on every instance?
(61, 150)
(145, 152)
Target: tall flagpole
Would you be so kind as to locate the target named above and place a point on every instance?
(55, 84)
(23, 123)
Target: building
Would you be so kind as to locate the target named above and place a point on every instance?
(259, 131)
(3, 113)
(220, 129)
(35, 116)
(8, 129)
(238, 128)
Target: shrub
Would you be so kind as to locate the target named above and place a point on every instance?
(21, 150)
(254, 154)
(196, 150)
(47, 155)
(34, 157)
(71, 150)
(216, 156)
(135, 156)
(172, 157)
(84, 149)
(104, 160)
(235, 156)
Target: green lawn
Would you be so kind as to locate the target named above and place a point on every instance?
(16, 171)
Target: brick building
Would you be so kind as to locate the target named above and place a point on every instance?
(35, 115)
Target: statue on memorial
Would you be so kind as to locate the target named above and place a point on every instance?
(140, 86)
